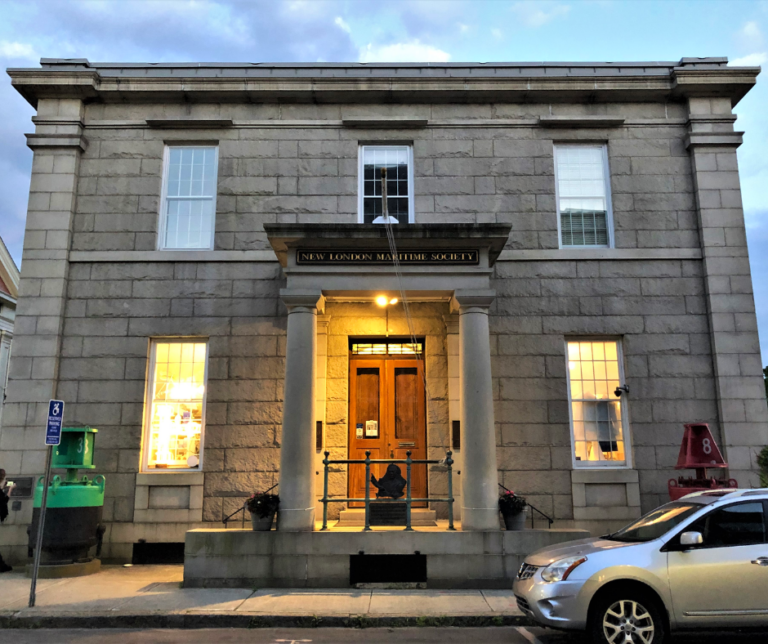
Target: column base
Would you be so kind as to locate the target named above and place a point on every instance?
(301, 520)
(480, 519)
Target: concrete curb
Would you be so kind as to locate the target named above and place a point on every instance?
(192, 620)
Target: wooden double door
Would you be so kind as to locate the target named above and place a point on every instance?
(387, 417)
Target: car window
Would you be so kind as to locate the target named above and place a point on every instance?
(741, 524)
(657, 523)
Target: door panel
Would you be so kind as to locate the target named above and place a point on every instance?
(391, 392)
(708, 582)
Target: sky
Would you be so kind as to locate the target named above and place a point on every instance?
(391, 31)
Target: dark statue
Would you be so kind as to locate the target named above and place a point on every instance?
(391, 484)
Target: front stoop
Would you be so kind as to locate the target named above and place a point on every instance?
(248, 559)
(355, 517)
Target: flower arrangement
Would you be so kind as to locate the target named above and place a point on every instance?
(510, 503)
(263, 504)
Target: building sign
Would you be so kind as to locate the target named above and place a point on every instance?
(385, 257)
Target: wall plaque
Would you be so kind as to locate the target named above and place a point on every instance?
(471, 257)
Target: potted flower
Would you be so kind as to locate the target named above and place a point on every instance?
(513, 510)
(262, 506)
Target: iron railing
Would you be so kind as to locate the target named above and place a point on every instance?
(535, 509)
(447, 462)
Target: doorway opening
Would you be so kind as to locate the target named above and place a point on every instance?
(387, 410)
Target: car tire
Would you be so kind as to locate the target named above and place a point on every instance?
(635, 612)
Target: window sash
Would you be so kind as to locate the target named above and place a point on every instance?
(598, 419)
(399, 189)
(188, 204)
(583, 197)
(181, 410)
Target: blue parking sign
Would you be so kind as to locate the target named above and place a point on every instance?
(55, 419)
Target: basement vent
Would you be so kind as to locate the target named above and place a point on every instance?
(378, 569)
(158, 553)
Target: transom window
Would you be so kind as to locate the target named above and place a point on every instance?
(175, 410)
(189, 198)
(398, 162)
(386, 348)
(583, 196)
(598, 415)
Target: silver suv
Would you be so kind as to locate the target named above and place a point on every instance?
(699, 562)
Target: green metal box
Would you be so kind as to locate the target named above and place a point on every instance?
(76, 448)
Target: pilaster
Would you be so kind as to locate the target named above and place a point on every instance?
(57, 143)
(712, 143)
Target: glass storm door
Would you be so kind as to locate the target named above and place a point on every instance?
(387, 417)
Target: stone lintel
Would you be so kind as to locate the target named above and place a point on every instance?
(43, 141)
(714, 139)
(385, 124)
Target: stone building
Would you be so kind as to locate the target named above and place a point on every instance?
(206, 244)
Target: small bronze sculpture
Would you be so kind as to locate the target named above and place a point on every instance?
(391, 484)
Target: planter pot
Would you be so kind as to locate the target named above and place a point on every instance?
(262, 525)
(514, 521)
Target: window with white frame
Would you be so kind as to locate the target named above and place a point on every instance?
(174, 417)
(397, 160)
(598, 415)
(583, 196)
(188, 206)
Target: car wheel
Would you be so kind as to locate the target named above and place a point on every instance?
(627, 618)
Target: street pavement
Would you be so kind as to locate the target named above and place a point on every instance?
(488, 635)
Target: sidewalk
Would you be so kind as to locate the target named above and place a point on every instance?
(152, 597)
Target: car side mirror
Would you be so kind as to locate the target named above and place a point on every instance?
(691, 539)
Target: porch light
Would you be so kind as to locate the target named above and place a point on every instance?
(383, 300)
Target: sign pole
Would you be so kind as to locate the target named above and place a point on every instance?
(40, 527)
(52, 437)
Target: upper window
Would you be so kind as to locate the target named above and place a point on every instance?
(397, 160)
(583, 196)
(188, 206)
(175, 409)
(598, 415)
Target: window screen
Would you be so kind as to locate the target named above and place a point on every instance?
(582, 196)
(190, 198)
(396, 160)
(596, 412)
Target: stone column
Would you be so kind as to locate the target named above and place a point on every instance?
(297, 447)
(479, 478)
(742, 410)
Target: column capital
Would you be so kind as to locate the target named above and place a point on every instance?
(303, 298)
(481, 299)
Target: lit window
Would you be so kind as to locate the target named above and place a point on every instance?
(189, 198)
(583, 196)
(398, 162)
(597, 414)
(175, 414)
(383, 349)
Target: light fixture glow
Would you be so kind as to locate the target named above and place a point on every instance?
(393, 300)
(381, 300)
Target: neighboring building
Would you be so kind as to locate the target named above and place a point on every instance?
(202, 259)
(9, 292)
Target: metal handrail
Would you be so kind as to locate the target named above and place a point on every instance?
(448, 462)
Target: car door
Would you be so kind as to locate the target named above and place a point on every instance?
(724, 581)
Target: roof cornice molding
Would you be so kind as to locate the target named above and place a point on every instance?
(551, 82)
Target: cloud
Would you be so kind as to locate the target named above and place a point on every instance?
(17, 50)
(539, 14)
(750, 35)
(340, 22)
(496, 33)
(403, 52)
(750, 60)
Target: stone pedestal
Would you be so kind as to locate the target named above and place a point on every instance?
(479, 480)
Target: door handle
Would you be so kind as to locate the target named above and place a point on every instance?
(760, 561)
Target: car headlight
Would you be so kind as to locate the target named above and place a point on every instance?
(559, 570)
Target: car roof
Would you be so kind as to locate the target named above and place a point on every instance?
(728, 494)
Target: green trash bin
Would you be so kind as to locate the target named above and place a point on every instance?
(75, 505)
